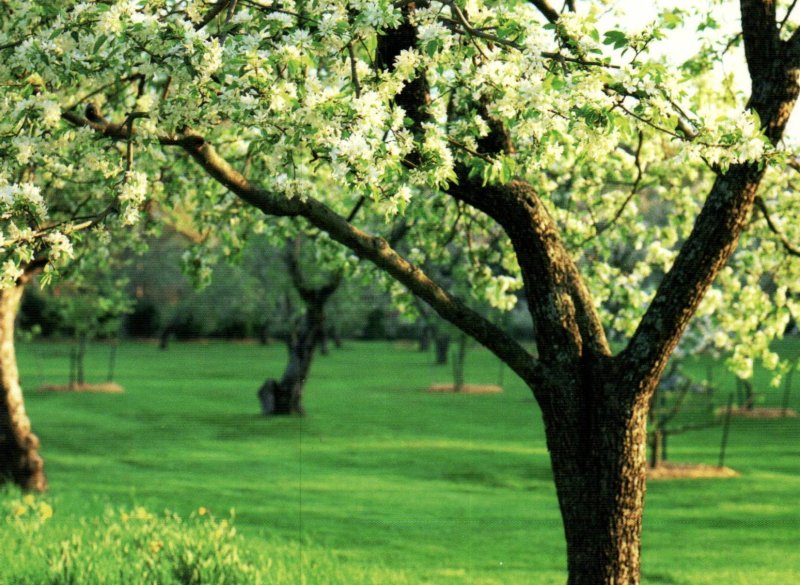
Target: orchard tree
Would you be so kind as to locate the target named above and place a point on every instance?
(57, 196)
(563, 130)
(285, 396)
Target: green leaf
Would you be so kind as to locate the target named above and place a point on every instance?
(432, 47)
(98, 43)
(617, 38)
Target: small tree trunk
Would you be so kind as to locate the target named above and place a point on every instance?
(166, 333)
(263, 334)
(458, 363)
(72, 362)
(787, 388)
(80, 360)
(112, 359)
(657, 443)
(442, 347)
(334, 334)
(323, 343)
(424, 337)
(20, 462)
(749, 395)
(285, 396)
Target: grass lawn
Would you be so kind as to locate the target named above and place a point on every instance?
(380, 483)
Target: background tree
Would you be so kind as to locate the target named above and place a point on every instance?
(284, 396)
(474, 117)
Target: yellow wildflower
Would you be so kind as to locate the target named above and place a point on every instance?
(141, 514)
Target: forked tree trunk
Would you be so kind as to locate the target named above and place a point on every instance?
(285, 396)
(20, 462)
(599, 469)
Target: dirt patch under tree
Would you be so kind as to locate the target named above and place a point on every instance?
(466, 388)
(104, 388)
(670, 470)
(758, 412)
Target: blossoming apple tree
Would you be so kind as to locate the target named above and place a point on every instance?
(620, 193)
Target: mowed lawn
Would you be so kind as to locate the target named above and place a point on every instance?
(381, 482)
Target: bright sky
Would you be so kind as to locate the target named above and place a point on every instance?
(685, 41)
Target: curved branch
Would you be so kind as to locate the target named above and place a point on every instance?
(787, 245)
(567, 323)
(212, 13)
(547, 10)
(787, 15)
(727, 208)
(369, 247)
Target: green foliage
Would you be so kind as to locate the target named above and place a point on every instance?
(128, 546)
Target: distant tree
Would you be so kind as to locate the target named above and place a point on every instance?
(284, 396)
(667, 404)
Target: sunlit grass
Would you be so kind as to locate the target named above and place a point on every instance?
(381, 482)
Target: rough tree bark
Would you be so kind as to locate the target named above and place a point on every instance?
(20, 462)
(594, 404)
(285, 396)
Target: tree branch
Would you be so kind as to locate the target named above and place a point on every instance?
(212, 13)
(369, 247)
(726, 211)
(787, 245)
(567, 323)
(787, 15)
(546, 9)
(761, 36)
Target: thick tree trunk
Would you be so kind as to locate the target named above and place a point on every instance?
(20, 462)
(599, 465)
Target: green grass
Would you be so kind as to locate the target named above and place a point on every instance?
(380, 483)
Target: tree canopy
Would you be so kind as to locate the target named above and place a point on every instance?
(309, 101)
(562, 150)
